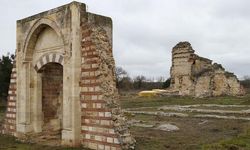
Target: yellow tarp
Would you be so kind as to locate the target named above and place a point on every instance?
(147, 93)
(159, 90)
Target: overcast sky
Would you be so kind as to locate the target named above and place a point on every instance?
(146, 30)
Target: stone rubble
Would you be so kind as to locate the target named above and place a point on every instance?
(167, 127)
(139, 123)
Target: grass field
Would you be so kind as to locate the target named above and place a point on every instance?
(218, 133)
(10, 143)
(128, 101)
(215, 134)
(194, 133)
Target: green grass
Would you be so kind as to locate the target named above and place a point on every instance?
(135, 102)
(241, 142)
(222, 134)
(10, 143)
(191, 135)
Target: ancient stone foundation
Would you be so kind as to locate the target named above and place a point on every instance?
(196, 76)
(63, 81)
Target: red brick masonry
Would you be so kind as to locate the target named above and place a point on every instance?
(9, 126)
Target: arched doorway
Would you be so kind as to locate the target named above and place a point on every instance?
(52, 97)
(44, 68)
(47, 62)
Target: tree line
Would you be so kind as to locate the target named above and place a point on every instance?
(125, 83)
(246, 82)
(6, 64)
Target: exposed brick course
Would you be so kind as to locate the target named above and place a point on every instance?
(97, 79)
(94, 111)
(9, 126)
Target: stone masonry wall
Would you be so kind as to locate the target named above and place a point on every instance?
(9, 126)
(197, 76)
(103, 125)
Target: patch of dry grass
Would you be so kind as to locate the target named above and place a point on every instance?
(191, 136)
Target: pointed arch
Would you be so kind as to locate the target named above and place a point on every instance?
(33, 34)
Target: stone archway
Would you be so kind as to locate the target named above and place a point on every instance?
(43, 65)
(80, 43)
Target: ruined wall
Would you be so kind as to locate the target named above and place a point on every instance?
(181, 69)
(197, 76)
(81, 42)
(103, 124)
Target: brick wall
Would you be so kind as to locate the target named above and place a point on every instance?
(104, 126)
(52, 83)
(9, 126)
(97, 124)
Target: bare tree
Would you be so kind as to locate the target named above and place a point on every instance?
(120, 73)
(123, 81)
(139, 81)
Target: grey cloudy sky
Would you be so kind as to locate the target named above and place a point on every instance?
(146, 30)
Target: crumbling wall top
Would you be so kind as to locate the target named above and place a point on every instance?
(52, 11)
(184, 44)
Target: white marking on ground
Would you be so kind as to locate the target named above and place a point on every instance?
(185, 109)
